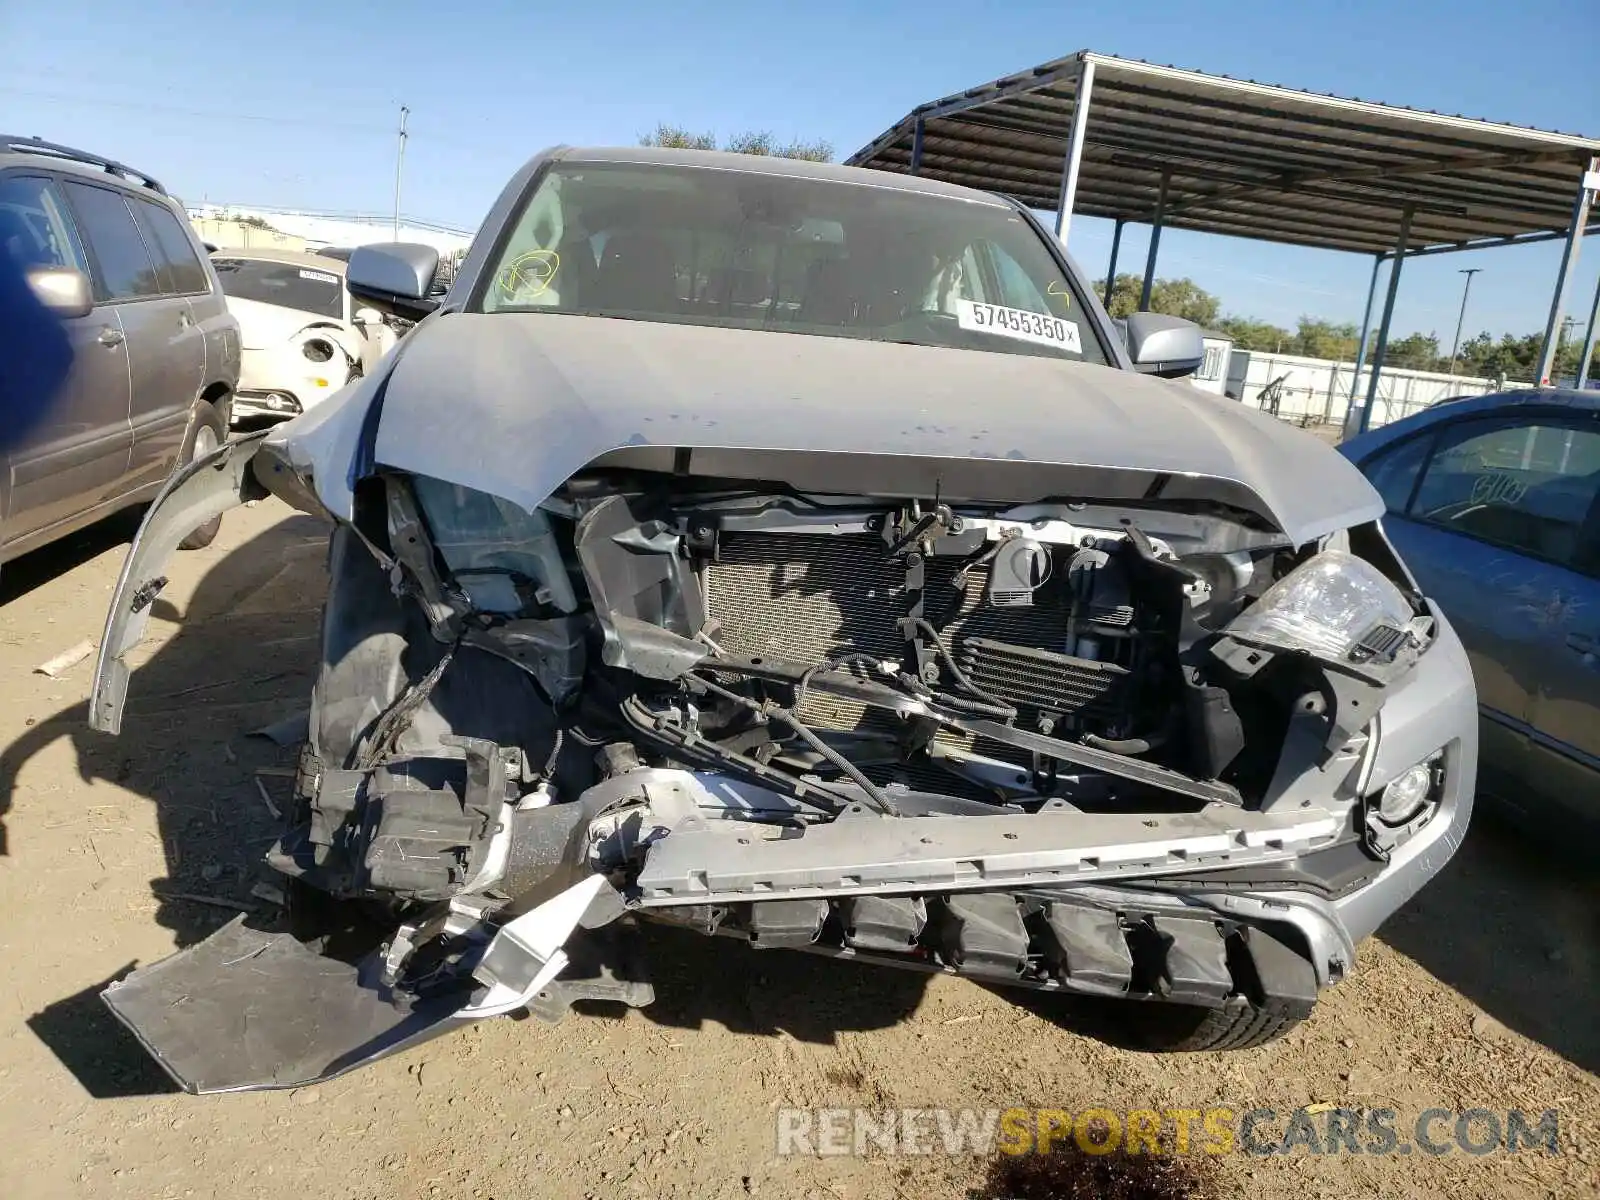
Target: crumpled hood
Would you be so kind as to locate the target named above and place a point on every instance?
(265, 326)
(514, 404)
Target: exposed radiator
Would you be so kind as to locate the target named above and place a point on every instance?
(808, 597)
(811, 596)
(1042, 681)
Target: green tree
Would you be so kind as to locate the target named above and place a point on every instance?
(760, 142)
(1567, 361)
(1515, 357)
(1175, 297)
(1250, 334)
(1324, 339)
(676, 137)
(1416, 352)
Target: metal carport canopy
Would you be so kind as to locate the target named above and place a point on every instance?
(1132, 141)
(1243, 158)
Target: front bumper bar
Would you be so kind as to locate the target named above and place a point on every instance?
(708, 862)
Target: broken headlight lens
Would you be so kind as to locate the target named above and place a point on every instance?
(489, 543)
(1336, 606)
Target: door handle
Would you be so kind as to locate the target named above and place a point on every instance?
(110, 336)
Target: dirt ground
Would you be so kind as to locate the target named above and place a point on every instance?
(1484, 992)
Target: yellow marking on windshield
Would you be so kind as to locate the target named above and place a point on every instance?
(529, 274)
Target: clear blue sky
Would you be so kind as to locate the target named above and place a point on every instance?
(295, 104)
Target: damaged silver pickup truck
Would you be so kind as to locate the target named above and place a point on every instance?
(797, 554)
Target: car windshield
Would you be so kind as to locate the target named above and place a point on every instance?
(754, 250)
(287, 284)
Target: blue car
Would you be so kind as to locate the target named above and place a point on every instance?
(1494, 504)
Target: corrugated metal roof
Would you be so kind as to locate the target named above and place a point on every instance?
(1245, 158)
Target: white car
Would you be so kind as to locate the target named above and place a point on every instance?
(302, 338)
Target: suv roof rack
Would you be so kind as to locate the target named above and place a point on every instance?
(35, 145)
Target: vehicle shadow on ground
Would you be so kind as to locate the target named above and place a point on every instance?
(102, 1055)
(1515, 928)
(22, 575)
(702, 980)
(243, 656)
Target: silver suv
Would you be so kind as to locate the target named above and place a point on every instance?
(156, 352)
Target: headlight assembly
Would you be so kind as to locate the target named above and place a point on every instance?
(1337, 606)
(1403, 797)
(1406, 803)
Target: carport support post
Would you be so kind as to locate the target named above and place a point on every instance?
(1111, 270)
(1588, 340)
(918, 131)
(1069, 169)
(1366, 326)
(1569, 259)
(1155, 243)
(1382, 345)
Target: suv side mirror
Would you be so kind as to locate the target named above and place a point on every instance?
(63, 290)
(1161, 345)
(394, 277)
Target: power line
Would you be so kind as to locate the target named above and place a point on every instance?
(143, 106)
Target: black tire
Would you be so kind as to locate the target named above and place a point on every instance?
(206, 434)
(1239, 1024)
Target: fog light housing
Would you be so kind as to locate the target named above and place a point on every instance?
(1406, 793)
(278, 402)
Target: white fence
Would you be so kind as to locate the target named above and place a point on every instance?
(1314, 391)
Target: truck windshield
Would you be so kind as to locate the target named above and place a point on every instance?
(752, 250)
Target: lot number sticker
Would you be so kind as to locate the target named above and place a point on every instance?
(1020, 324)
(318, 276)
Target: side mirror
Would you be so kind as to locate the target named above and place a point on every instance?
(366, 316)
(1161, 345)
(394, 277)
(63, 290)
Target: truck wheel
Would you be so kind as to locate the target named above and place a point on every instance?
(205, 437)
(1240, 1024)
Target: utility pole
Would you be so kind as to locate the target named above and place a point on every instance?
(399, 167)
(1469, 272)
(1555, 359)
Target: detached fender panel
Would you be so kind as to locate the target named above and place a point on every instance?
(207, 488)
